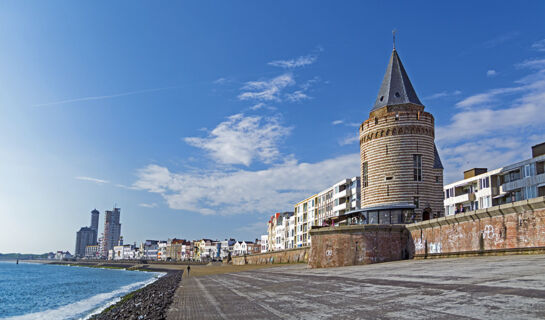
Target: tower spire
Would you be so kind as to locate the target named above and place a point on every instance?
(394, 37)
(396, 87)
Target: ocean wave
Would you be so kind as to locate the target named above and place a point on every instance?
(84, 309)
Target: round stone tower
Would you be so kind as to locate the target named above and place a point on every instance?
(401, 172)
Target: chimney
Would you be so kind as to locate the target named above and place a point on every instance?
(538, 150)
(474, 172)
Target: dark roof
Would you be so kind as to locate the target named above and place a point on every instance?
(437, 161)
(396, 87)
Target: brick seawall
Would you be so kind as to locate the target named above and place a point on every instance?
(284, 256)
(517, 227)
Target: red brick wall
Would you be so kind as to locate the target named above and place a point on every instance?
(284, 256)
(358, 244)
(511, 226)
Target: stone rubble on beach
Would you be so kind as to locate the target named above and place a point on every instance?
(150, 302)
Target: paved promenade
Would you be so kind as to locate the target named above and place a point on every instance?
(506, 287)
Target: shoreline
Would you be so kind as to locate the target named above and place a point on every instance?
(148, 302)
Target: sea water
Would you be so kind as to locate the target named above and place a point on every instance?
(45, 291)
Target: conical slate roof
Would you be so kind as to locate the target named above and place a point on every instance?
(396, 87)
(437, 161)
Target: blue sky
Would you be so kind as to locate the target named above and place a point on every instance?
(201, 119)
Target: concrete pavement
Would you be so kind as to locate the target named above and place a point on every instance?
(506, 287)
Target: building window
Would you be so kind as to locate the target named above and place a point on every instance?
(397, 116)
(436, 179)
(364, 174)
(387, 191)
(417, 167)
(376, 120)
(484, 183)
(386, 149)
(417, 202)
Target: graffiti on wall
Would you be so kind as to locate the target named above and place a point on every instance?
(435, 247)
(418, 245)
(490, 233)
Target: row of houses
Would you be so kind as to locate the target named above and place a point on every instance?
(288, 230)
(178, 250)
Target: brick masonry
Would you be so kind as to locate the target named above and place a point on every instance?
(388, 141)
(358, 244)
(283, 256)
(513, 227)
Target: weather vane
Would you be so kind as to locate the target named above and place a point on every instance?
(394, 37)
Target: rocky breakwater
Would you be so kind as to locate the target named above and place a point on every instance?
(149, 302)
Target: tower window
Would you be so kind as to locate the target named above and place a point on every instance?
(388, 191)
(397, 94)
(376, 120)
(397, 116)
(381, 98)
(437, 179)
(386, 149)
(417, 167)
(364, 174)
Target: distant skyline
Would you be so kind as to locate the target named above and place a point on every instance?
(203, 119)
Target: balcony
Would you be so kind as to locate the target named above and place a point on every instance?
(524, 182)
(339, 207)
(342, 194)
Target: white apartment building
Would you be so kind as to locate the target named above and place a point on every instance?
(264, 243)
(340, 198)
(304, 219)
(124, 252)
(482, 189)
(290, 233)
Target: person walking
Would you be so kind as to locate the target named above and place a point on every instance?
(188, 269)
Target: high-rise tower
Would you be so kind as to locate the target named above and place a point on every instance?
(112, 230)
(401, 172)
(94, 224)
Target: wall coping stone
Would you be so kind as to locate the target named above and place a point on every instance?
(508, 208)
(519, 206)
(495, 211)
(537, 203)
(269, 252)
(358, 228)
(481, 213)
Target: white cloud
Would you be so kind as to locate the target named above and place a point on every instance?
(350, 139)
(297, 96)
(258, 106)
(294, 63)
(500, 39)
(491, 73)
(266, 90)
(532, 64)
(241, 191)
(95, 180)
(242, 139)
(221, 81)
(442, 94)
(103, 97)
(337, 122)
(487, 97)
(539, 45)
(496, 127)
(148, 205)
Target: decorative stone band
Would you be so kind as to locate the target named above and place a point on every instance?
(396, 130)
